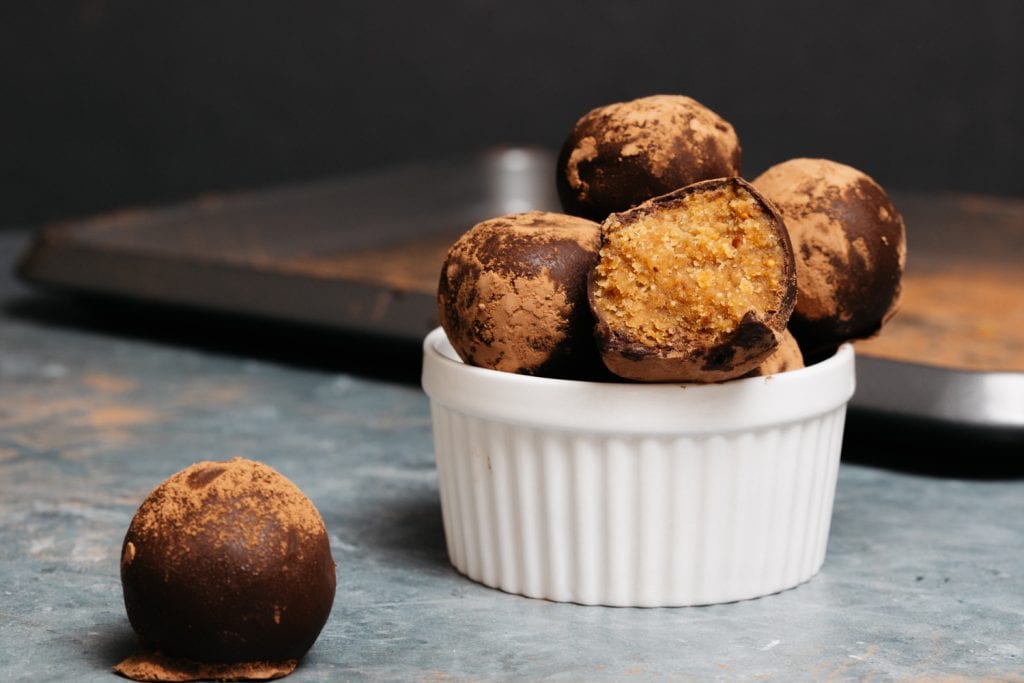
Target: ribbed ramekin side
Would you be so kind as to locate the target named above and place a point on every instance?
(637, 520)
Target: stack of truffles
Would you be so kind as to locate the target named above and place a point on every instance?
(668, 266)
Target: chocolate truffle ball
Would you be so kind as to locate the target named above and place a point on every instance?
(227, 562)
(850, 250)
(622, 154)
(785, 357)
(693, 286)
(513, 295)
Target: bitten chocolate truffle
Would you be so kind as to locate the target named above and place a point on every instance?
(850, 250)
(513, 295)
(227, 562)
(622, 154)
(694, 286)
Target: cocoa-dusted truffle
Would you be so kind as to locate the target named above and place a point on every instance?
(696, 285)
(850, 250)
(622, 154)
(785, 357)
(227, 562)
(513, 294)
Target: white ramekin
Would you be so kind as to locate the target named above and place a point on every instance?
(636, 494)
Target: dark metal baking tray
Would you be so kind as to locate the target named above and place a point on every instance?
(363, 254)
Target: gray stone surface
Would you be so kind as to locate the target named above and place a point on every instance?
(924, 577)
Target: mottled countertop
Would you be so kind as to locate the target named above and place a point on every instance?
(924, 577)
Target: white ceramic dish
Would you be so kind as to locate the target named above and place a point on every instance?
(635, 494)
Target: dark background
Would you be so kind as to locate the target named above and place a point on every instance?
(116, 103)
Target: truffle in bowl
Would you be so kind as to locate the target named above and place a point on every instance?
(630, 494)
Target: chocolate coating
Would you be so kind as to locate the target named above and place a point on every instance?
(850, 248)
(512, 295)
(227, 562)
(786, 357)
(622, 154)
(689, 350)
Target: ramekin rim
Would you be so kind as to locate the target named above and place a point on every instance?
(636, 408)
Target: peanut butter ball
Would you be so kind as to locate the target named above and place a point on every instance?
(226, 563)
(693, 286)
(622, 154)
(850, 250)
(513, 295)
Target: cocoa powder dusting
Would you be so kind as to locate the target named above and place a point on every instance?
(586, 150)
(152, 666)
(522, 308)
(112, 416)
(109, 384)
(509, 287)
(619, 155)
(658, 126)
(805, 187)
(860, 246)
(815, 196)
(512, 294)
(819, 248)
(195, 500)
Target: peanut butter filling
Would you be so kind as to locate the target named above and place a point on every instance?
(690, 269)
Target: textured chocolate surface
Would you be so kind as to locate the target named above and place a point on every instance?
(512, 295)
(622, 154)
(850, 249)
(692, 354)
(786, 356)
(227, 562)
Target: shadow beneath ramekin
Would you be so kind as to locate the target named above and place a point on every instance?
(931, 448)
